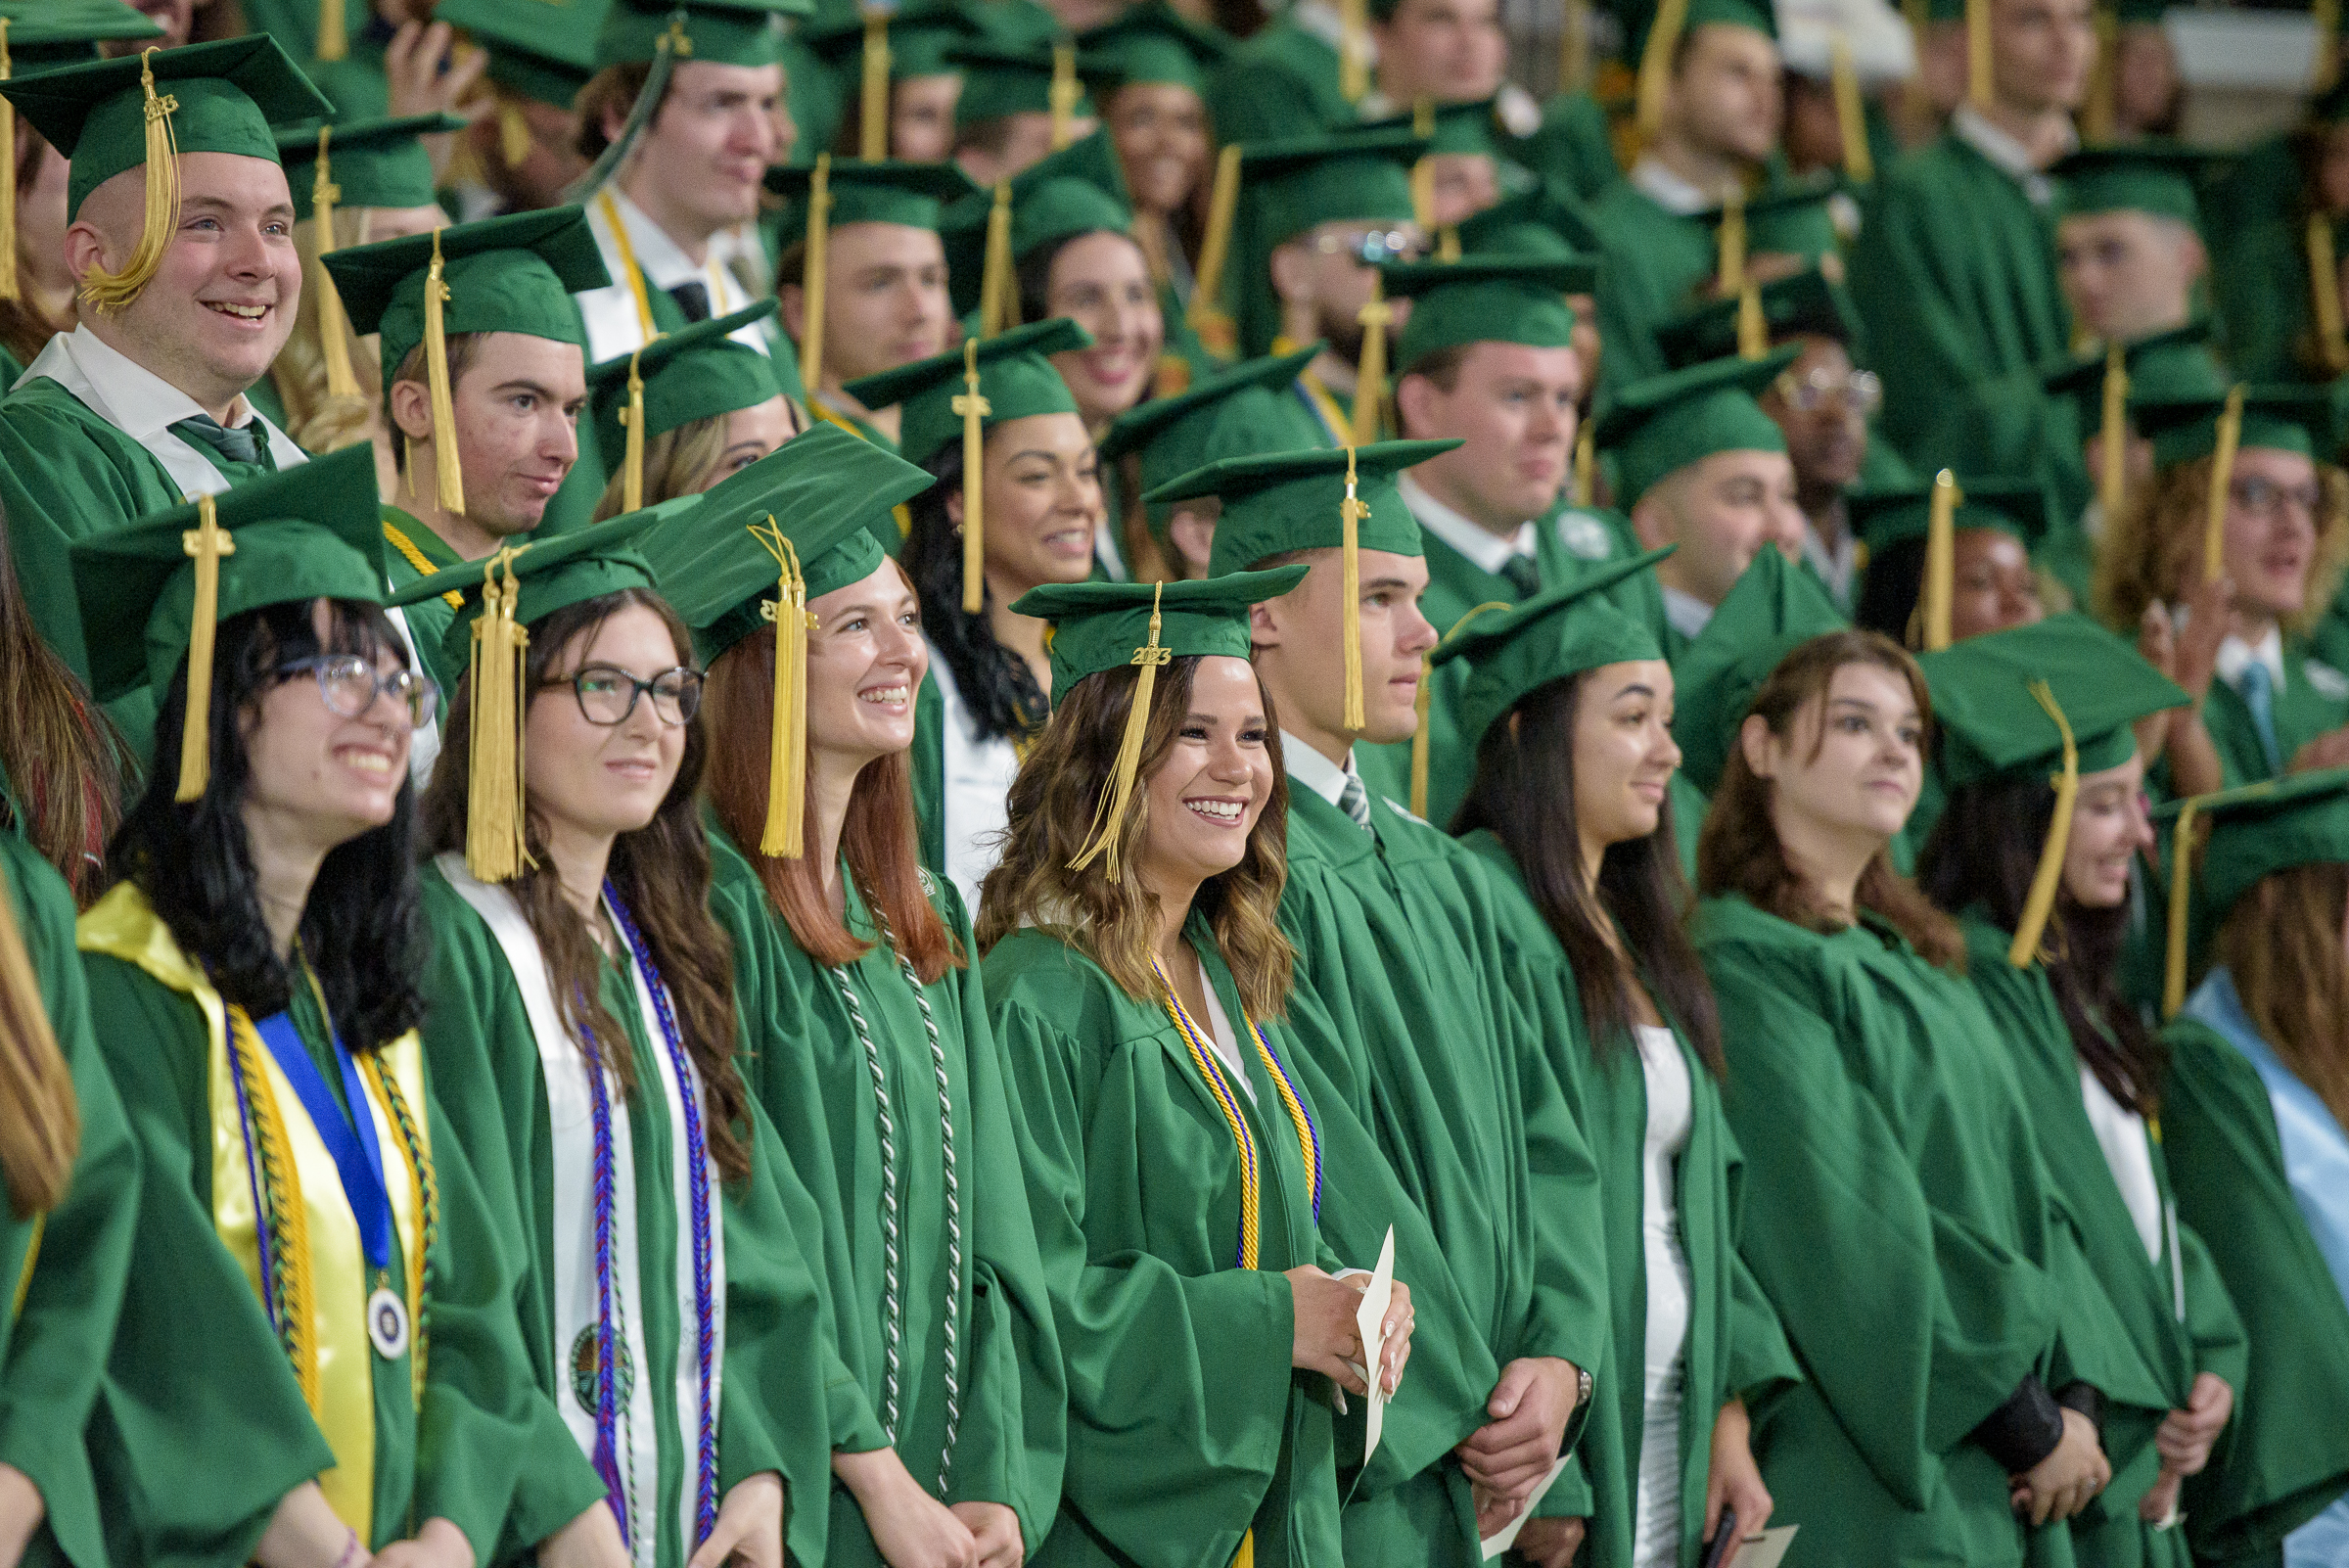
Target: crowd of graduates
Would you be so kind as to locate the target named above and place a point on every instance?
(965, 783)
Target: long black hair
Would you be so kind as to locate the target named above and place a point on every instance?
(1889, 589)
(1524, 793)
(1984, 852)
(359, 928)
(995, 683)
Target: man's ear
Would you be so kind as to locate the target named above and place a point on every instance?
(1416, 403)
(1651, 520)
(615, 119)
(1292, 273)
(2196, 265)
(85, 251)
(412, 409)
(1264, 623)
(955, 506)
(1753, 739)
(791, 302)
(1192, 532)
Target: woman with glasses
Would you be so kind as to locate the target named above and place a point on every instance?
(581, 985)
(2238, 583)
(333, 1367)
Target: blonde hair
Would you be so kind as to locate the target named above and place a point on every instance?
(317, 420)
(2282, 943)
(677, 462)
(2152, 552)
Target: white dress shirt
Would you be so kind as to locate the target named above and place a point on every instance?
(1687, 614)
(1668, 190)
(2235, 656)
(1308, 767)
(612, 325)
(1483, 547)
(1971, 126)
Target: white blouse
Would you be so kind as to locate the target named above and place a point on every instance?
(1656, 1531)
(976, 787)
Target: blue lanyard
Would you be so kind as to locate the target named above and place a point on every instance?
(355, 1153)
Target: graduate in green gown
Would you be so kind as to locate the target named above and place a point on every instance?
(119, 418)
(260, 930)
(1394, 932)
(2258, 1152)
(702, 405)
(915, 122)
(2035, 849)
(1897, 1212)
(482, 395)
(866, 1037)
(1177, 1164)
(1568, 701)
(673, 1312)
(1995, 525)
(1021, 96)
(540, 54)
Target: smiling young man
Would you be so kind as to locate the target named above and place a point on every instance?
(144, 401)
(516, 384)
(1395, 936)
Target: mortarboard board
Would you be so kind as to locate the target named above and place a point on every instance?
(541, 50)
(1079, 189)
(698, 372)
(1228, 414)
(2156, 177)
(377, 162)
(1661, 425)
(2284, 418)
(724, 32)
(1769, 611)
(2253, 832)
(1150, 43)
(1559, 632)
(1485, 299)
(1805, 304)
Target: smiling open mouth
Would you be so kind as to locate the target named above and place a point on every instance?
(1226, 812)
(242, 312)
(883, 696)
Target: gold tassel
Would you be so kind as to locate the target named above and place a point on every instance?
(1207, 317)
(1941, 575)
(1351, 512)
(1370, 379)
(495, 850)
(1914, 100)
(1110, 815)
(1420, 739)
(334, 34)
(207, 542)
(999, 289)
(514, 138)
(1851, 116)
(872, 131)
(785, 831)
(2324, 293)
(973, 408)
(1731, 245)
(1354, 50)
(1753, 331)
(435, 370)
(111, 292)
(8, 186)
(813, 276)
(1977, 55)
(1655, 67)
(631, 466)
(2100, 115)
(1585, 465)
(1448, 242)
(2023, 952)
(2222, 478)
(333, 333)
(2182, 903)
(1423, 195)
(1065, 93)
(2326, 15)
(2113, 449)
(1574, 54)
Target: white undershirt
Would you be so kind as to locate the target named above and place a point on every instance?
(1220, 1036)
(2235, 656)
(2121, 1134)
(1687, 614)
(975, 788)
(1656, 1532)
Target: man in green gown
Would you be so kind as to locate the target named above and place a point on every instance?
(1955, 274)
(144, 401)
(1394, 929)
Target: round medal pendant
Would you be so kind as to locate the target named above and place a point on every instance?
(388, 1323)
(586, 1367)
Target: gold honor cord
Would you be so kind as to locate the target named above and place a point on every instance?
(2222, 479)
(110, 293)
(9, 288)
(1108, 817)
(209, 542)
(973, 408)
(1940, 583)
(2024, 950)
(415, 557)
(784, 832)
(872, 126)
(495, 847)
(333, 333)
(2112, 443)
(629, 266)
(816, 272)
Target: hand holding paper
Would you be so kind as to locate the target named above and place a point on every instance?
(1370, 1322)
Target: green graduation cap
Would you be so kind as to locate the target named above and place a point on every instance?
(698, 372)
(1760, 18)
(43, 34)
(502, 274)
(1001, 78)
(1659, 426)
(1228, 414)
(1284, 188)
(1075, 191)
(1102, 626)
(2021, 507)
(2281, 418)
(541, 50)
(1558, 632)
(377, 162)
(1545, 220)
(2156, 177)
(1807, 304)
(152, 593)
(1769, 611)
(1485, 299)
(2254, 832)
(913, 196)
(1788, 219)
(2171, 366)
(1152, 43)
(917, 39)
(724, 32)
(1470, 127)
(761, 546)
(965, 391)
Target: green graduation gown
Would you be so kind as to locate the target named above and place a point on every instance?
(2285, 1457)
(482, 1449)
(1954, 278)
(62, 1270)
(1735, 1346)
(2179, 1316)
(1282, 81)
(777, 1333)
(406, 542)
(806, 1063)
(1188, 1426)
(1573, 144)
(1655, 263)
(1899, 1219)
(1395, 935)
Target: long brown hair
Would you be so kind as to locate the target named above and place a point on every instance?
(677, 462)
(1627, 931)
(2281, 942)
(1052, 814)
(661, 869)
(878, 838)
(40, 1120)
(61, 755)
(24, 327)
(1739, 851)
(2154, 548)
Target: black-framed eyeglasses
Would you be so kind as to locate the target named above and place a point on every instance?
(607, 694)
(2266, 497)
(348, 684)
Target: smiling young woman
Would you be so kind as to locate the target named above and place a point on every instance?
(1137, 979)
(865, 1034)
(255, 982)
